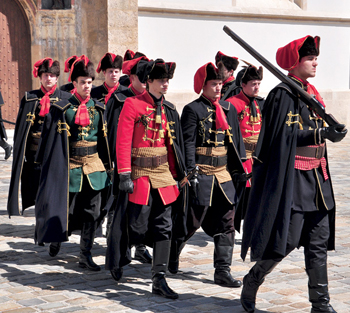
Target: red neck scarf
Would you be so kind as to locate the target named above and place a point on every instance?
(82, 116)
(45, 100)
(73, 91)
(310, 89)
(111, 90)
(230, 79)
(221, 121)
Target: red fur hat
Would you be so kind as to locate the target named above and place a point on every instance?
(46, 65)
(288, 57)
(203, 74)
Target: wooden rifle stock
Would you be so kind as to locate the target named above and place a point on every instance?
(309, 99)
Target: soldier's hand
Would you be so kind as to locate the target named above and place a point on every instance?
(239, 178)
(334, 133)
(125, 183)
(195, 185)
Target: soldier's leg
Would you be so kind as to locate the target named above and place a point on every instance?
(194, 221)
(316, 231)
(256, 276)
(162, 226)
(90, 215)
(6, 147)
(219, 224)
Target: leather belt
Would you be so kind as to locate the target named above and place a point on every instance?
(311, 152)
(151, 161)
(250, 146)
(82, 151)
(215, 161)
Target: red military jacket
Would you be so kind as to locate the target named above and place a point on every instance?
(132, 133)
(248, 127)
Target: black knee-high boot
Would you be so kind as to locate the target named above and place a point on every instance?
(253, 280)
(174, 257)
(86, 242)
(318, 289)
(161, 250)
(223, 259)
(6, 147)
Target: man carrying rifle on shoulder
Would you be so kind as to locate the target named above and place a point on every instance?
(293, 203)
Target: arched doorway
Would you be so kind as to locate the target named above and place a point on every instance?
(15, 57)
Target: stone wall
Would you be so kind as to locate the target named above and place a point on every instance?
(90, 27)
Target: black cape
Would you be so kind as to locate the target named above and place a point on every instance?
(28, 105)
(118, 249)
(268, 214)
(52, 202)
(113, 108)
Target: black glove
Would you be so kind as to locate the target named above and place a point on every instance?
(333, 133)
(125, 183)
(195, 185)
(239, 178)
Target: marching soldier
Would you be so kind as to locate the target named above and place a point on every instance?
(248, 105)
(74, 156)
(111, 66)
(67, 66)
(33, 108)
(292, 202)
(149, 163)
(227, 65)
(214, 143)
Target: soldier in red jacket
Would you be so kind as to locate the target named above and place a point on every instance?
(149, 163)
(248, 105)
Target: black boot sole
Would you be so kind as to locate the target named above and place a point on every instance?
(94, 269)
(160, 293)
(224, 284)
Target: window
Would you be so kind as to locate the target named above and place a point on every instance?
(56, 4)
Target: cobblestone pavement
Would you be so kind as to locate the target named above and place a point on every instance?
(32, 281)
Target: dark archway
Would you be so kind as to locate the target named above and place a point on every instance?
(15, 57)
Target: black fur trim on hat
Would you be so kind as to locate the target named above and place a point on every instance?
(162, 70)
(308, 48)
(54, 69)
(213, 73)
(80, 69)
(143, 69)
(252, 73)
(107, 62)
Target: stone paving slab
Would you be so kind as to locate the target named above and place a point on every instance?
(32, 281)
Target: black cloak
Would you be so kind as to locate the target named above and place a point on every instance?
(52, 202)
(29, 104)
(269, 208)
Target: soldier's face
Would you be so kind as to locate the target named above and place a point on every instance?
(251, 88)
(112, 76)
(140, 87)
(158, 87)
(306, 67)
(48, 80)
(83, 85)
(212, 89)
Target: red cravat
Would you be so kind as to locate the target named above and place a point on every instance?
(45, 100)
(111, 90)
(82, 116)
(221, 121)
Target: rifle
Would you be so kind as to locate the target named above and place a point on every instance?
(307, 98)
